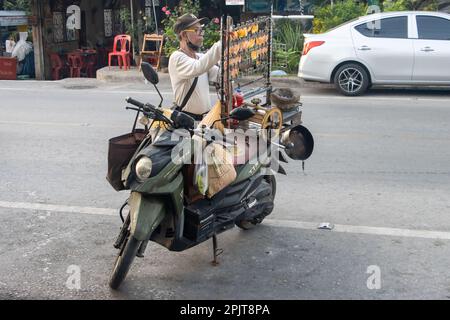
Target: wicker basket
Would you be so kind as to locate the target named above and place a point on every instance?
(285, 99)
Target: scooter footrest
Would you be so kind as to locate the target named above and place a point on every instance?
(198, 225)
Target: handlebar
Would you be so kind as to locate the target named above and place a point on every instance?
(135, 109)
(180, 120)
(177, 120)
(135, 102)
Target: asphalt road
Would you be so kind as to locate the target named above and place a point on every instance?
(380, 173)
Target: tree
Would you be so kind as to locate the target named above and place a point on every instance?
(22, 5)
(171, 42)
(413, 5)
(137, 28)
(185, 6)
(330, 16)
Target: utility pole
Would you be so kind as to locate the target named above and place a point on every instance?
(132, 27)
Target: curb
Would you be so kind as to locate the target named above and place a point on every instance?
(79, 83)
(115, 74)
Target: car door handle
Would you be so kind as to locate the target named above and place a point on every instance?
(427, 49)
(364, 48)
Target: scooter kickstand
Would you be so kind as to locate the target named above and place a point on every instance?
(217, 252)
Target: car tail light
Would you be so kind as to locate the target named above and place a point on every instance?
(309, 45)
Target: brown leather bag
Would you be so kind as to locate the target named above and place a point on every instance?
(121, 150)
(191, 193)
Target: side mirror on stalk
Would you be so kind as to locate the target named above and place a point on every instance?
(149, 73)
(152, 76)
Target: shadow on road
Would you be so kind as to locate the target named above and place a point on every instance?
(430, 91)
(382, 91)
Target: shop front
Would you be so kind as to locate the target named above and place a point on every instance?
(64, 28)
(13, 39)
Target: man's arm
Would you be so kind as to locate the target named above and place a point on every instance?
(188, 68)
(213, 74)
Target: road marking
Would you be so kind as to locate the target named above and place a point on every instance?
(77, 91)
(60, 124)
(366, 98)
(58, 208)
(380, 231)
(98, 90)
(292, 224)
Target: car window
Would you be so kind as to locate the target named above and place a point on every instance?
(343, 24)
(396, 27)
(434, 28)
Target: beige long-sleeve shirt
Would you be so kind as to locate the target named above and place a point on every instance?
(184, 69)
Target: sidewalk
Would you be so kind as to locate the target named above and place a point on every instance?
(114, 74)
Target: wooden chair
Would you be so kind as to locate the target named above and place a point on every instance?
(155, 41)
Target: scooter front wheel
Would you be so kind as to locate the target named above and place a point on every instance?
(124, 261)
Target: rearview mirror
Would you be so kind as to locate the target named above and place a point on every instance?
(149, 73)
(242, 114)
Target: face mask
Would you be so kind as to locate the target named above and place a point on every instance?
(193, 46)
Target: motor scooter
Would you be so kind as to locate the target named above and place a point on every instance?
(156, 178)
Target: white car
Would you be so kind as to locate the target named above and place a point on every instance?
(391, 48)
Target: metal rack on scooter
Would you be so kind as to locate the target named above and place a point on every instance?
(247, 52)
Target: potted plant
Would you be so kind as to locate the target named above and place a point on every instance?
(136, 31)
(171, 42)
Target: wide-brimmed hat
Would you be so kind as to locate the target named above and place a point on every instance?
(188, 20)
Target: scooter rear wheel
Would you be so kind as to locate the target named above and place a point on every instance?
(123, 262)
(246, 224)
(250, 224)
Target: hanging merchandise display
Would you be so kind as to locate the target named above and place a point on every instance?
(246, 83)
(246, 63)
(249, 48)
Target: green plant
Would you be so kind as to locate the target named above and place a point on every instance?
(170, 38)
(143, 24)
(288, 38)
(330, 16)
(125, 19)
(405, 5)
(171, 42)
(212, 33)
(23, 5)
(290, 33)
(287, 60)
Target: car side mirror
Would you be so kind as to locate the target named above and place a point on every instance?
(242, 114)
(149, 73)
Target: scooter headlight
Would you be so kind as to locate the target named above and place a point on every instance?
(144, 168)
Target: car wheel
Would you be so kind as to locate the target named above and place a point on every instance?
(351, 79)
